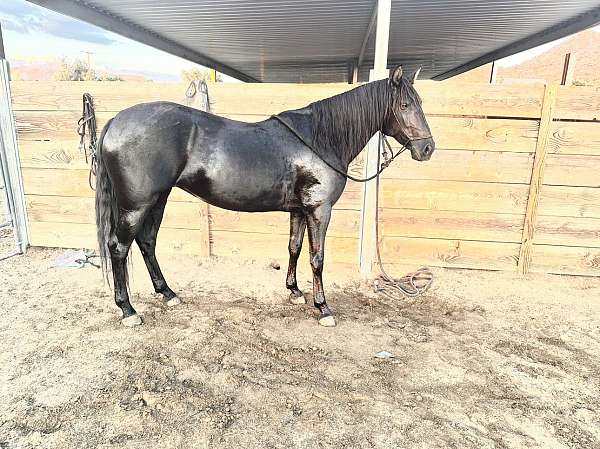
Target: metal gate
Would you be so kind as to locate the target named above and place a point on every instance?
(13, 215)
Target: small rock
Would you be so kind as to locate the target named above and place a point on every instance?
(275, 265)
(149, 398)
(384, 355)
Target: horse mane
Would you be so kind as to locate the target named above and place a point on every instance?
(344, 123)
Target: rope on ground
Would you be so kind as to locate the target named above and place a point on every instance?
(412, 284)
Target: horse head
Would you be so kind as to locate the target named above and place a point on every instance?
(406, 120)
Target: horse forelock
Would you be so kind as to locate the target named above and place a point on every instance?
(345, 122)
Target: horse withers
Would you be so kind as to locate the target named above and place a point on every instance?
(294, 164)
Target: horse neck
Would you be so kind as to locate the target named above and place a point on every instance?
(351, 119)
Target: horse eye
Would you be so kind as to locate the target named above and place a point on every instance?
(403, 106)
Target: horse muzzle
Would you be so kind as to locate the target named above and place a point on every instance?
(422, 149)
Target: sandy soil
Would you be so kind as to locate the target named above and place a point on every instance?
(484, 360)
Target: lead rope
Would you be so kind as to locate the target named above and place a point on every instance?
(410, 285)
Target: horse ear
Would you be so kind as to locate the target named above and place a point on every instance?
(415, 75)
(396, 76)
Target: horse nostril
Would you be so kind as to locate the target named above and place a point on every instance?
(427, 149)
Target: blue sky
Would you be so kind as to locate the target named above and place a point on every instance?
(34, 33)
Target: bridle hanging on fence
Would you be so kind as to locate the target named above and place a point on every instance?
(87, 125)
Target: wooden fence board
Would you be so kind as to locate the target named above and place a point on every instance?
(566, 260)
(108, 96)
(455, 165)
(261, 246)
(575, 138)
(572, 170)
(73, 183)
(78, 235)
(60, 209)
(568, 231)
(450, 253)
(478, 134)
(455, 196)
(452, 225)
(53, 125)
(567, 201)
(581, 103)
(52, 154)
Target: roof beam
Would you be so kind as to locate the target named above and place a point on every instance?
(562, 29)
(128, 29)
(368, 32)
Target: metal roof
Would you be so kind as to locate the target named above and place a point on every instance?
(314, 40)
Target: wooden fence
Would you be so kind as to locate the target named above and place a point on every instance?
(513, 183)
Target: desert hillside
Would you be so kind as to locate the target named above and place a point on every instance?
(585, 51)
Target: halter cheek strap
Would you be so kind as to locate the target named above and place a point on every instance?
(410, 138)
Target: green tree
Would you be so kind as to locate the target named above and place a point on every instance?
(75, 71)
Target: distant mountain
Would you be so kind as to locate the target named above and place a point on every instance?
(34, 70)
(46, 70)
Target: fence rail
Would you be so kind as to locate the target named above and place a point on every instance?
(513, 185)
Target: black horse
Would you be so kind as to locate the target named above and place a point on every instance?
(146, 150)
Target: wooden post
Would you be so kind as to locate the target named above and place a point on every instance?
(196, 97)
(367, 230)
(493, 72)
(568, 69)
(537, 178)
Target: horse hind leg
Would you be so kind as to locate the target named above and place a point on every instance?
(146, 240)
(297, 228)
(119, 243)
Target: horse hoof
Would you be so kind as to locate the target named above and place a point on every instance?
(327, 321)
(173, 302)
(131, 320)
(297, 299)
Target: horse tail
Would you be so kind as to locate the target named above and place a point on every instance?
(107, 212)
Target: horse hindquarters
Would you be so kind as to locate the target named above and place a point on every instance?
(134, 172)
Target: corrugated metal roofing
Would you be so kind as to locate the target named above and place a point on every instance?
(313, 41)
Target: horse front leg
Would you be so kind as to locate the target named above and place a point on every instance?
(318, 220)
(297, 228)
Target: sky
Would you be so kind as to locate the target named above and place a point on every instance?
(33, 33)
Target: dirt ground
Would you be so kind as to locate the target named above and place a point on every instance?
(484, 360)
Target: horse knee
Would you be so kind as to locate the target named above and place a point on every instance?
(294, 249)
(316, 262)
